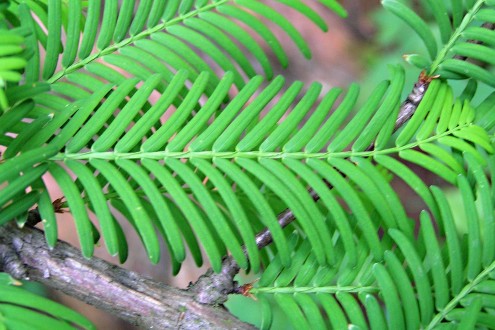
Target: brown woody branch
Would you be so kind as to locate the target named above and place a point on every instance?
(140, 301)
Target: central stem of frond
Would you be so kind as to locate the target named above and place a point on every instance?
(209, 154)
(159, 155)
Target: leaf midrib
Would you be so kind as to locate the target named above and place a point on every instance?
(468, 18)
(314, 289)
(209, 154)
(113, 47)
(463, 293)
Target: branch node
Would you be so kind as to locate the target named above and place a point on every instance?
(11, 263)
(213, 289)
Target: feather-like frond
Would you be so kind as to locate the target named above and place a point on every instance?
(423, 283)
(92, 107)
(242, 148)
(153, 36)
(465, 32)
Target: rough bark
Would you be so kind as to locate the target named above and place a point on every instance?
(140, 301)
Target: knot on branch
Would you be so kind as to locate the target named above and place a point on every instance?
(212, 288)
(11, 263)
